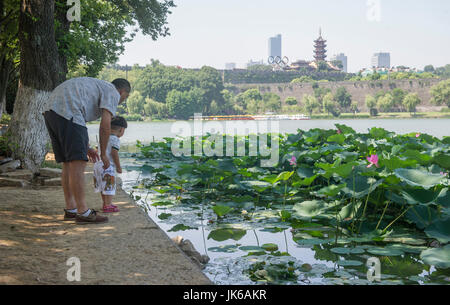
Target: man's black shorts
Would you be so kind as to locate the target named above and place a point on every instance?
(70, 141)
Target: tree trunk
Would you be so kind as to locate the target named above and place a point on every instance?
(40, 73)
(6, 67)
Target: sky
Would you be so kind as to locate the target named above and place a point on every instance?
(215, 32)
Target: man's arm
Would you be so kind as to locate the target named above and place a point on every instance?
(105, 132)
(115, 157)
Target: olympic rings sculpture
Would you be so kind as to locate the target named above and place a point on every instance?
(277, 60)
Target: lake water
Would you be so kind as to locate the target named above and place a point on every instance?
(149, 131)
(226, 267)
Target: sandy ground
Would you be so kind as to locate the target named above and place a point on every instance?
(35, 243)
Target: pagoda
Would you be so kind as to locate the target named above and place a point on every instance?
(319, 48)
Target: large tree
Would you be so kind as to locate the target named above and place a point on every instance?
(9, 49)
(440, 93)
(40, 73)
(411, 101)
(50, 45)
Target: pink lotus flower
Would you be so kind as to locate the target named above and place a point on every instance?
(293, 161)
(339, 131)
(417, 135)
(373, 160)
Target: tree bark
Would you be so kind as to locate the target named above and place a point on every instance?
(4, 78)
(40, 73)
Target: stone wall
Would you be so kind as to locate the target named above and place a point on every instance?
(358, 90)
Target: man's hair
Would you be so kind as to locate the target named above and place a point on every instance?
(122, 83)
(118, 122)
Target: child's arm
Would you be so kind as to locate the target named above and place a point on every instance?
(115, 157)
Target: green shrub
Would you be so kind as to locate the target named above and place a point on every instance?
(6, 146)
(6, 118)
(133, 117)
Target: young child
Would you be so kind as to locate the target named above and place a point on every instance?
(104, 179)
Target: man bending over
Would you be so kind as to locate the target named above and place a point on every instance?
(72, 104)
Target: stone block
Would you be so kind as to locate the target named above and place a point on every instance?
(50, 172)
(10, 166)
(52, 182)
(13, 182)
(22, 174)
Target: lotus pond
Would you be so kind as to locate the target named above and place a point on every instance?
(336, 199)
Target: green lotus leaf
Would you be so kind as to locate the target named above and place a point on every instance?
(273, 229)
(395, 163)
(251, 248)
(440, 230)
(342, 250)
(181, 227)
(258, 186)
(310, 209)
(421, 196)
(438, 257)
(446, 211)
(378, 133)
(345, 129)
(345, 169)
(331, 190)
(336, 138)
(305, 182)
(443, 160)
(349, 263)
(347, 156)
(305, 172)
(408, 248)
(349, 211)
(422, 216)
(416, 177)
(164, 216)
(270, 247)
(224, 249)
(359, 186)
(423, 159)
(221, 210)
(444, 200)
(284, 176)
(385, 251)
(227, 233)
(312, 241)
(162, 203)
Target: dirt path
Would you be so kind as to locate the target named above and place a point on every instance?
(130, 249)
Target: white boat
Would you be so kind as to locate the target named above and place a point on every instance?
(280, 117)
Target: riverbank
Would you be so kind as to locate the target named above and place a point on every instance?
(388, 115)
(35, 243)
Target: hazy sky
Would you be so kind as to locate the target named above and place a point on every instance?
(214, 32)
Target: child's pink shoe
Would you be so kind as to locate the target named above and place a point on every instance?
(110, 209)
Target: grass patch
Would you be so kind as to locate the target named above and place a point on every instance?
(51, 164)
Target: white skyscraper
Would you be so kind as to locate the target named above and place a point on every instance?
(381, 60)
(275, 46)
(342, 58)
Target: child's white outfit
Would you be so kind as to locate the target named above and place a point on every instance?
(105, 179)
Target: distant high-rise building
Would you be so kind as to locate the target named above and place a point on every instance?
(381, 60)
(254, 63)
(320, 51)
(275, 46)
(230, 66)
(342, 58)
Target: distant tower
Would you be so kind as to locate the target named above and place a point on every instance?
(320, 51)
(275, 46)
(343, 59)
(381, 60)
